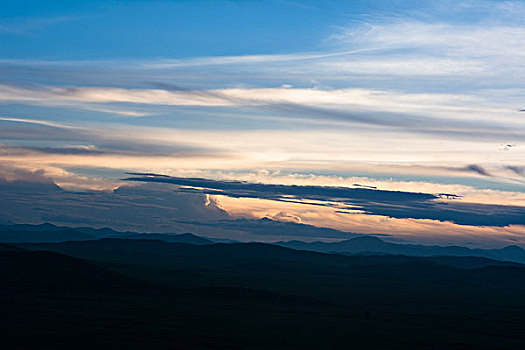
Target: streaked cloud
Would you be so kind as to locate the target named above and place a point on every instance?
(394, 204)
(410, 113)
(31, 25)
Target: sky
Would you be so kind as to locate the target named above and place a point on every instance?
(389, 99)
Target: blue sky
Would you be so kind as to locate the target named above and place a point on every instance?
(402, 95)
(181, 29)
(163, 29)
(175, 29)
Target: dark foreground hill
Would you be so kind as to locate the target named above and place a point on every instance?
(18, 236)
(48, 272)
(259, 296)
(53, 301)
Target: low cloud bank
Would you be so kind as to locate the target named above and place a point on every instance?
(396, 204)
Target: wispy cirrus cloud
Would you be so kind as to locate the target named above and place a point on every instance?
(31, 25)
(409, 112)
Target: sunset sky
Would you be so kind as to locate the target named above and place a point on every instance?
(399, 101)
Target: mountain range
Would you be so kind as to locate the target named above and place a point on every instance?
(24, 233)
(374, 245)
(131, 292)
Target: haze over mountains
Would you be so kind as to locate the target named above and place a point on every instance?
(361, 244)
(370, 244)
(51, 233)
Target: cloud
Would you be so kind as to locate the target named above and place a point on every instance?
(396, 204)
(37, 144)
(286, 217)
(477, 169)
(66, 150)
(268, 191)
(268, 229)
(11, 174)
(93, 140)
(407, 112)
(31, 25)
(154, 207)
(25, 129)
(23, 182)
(519, 170)
(145, 208)
(139, 149)
(37, 122)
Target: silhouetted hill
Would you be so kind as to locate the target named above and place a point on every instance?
(10, 248)
(29, 227)
(256, 296)
(142, 251)
(172, 238)
(14, 236)
(260, 263)
(44, 272)
(374, 245)
(371, 245)
(470, 262)
(267, 227)
(47, 232)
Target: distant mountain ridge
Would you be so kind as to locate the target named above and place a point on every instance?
(49, 233)
(187, 238)
(19, 236)
(374, 245)
(260, 265)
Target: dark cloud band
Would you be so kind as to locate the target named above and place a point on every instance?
(396, 204)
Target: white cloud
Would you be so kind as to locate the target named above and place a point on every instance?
(30, 25)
